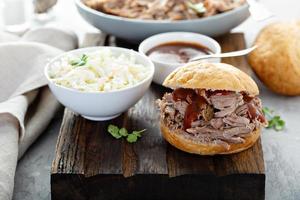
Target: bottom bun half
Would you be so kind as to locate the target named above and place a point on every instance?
(178, 140)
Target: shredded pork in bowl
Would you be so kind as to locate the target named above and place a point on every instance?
(136, 22)
(164, 9)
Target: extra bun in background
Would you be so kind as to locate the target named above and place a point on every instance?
(211, 77)
(276, 61)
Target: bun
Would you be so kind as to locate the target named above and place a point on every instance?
(188, 145)
(213, 76)
(276, 60)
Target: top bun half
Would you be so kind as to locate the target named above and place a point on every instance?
(211, 76)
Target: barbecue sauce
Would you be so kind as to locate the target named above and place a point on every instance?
(177, 51)
(253, 112)
(247, 98)
(181, 94)
(198, 103)
(194, 109)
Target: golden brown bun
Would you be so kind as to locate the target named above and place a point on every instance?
(213, 76)
(188, 145)
(276, 60)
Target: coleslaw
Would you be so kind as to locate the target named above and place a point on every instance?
(98, 71)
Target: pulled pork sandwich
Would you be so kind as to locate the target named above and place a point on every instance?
(214, 109)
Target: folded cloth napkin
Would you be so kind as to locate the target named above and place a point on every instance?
(26, 104)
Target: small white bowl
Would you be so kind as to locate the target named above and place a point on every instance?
(163, 69)
(101, 106)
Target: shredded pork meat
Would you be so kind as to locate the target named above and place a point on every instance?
(163, 9)
(224, 118)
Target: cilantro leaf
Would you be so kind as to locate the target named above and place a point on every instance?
(279, 123)
(131, 138)
(114, 131)
(82, 61)
(138, 133)
(274, 122)
(117, 133)
(123, 132)
(267, 111)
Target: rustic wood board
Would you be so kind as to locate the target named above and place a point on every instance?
(90, 164)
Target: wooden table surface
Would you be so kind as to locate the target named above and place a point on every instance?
(281, 149)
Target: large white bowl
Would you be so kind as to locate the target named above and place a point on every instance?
(100, 106)
(163, 69)
(136, 29)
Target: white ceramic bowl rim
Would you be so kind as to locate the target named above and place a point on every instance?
(205, 37)
(150, 75)
(88, 9)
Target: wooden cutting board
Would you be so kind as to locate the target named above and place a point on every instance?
(90, 164)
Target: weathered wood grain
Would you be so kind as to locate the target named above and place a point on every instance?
(90, 164)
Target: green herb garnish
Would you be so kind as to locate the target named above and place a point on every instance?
(117, 133)
(123, 132)
(133, 137)
(274, 120)
(114, 131)
(197, 7)
(82, 61)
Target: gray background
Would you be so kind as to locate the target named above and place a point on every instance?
(281, 149)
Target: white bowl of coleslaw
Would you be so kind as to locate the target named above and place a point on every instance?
(99, 83)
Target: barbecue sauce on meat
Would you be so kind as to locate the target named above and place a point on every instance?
(194, 109)
(247, 98)
(197, 104)
(181, 94)
(253, 112)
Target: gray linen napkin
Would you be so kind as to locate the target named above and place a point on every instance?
(26, 104)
